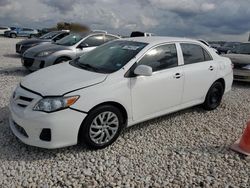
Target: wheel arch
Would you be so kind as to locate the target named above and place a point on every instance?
(222, 81)
(63, 56)
(113, 103)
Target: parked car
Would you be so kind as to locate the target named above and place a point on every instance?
(53, 36)
(240, 56)
(68, 48)
(227, 47)
(141, 34)
(3, 29)
(215, 45)
(116, 85)
(21, 32)
(206, 43)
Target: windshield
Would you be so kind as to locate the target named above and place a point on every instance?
(70, 40)
(242, 49)
(110, 57)
(49, 35)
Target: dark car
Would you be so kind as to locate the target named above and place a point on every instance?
(21, 32)
(228, 46)
(53, 36)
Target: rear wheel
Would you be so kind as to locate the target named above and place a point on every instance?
(61, 59)
(214, 96)
(101, 127)
(12, 35)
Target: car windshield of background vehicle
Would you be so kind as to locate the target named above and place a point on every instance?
(110, 57)
(242, 49)
(49, 35)
(70, 40)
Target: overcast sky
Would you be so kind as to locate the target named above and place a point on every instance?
(208, 19)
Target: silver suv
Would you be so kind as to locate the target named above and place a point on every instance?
(68, 48)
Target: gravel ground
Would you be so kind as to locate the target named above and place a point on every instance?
(185, 149)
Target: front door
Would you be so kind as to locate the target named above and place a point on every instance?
(152, 95)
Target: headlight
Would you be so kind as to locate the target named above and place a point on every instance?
(44, 53)
(52, 104)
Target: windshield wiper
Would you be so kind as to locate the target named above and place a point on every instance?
(86, 65)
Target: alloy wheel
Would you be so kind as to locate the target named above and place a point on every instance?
(104, 127)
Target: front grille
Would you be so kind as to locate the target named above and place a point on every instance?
(22, 101)
(239, 65)
(27, 62)
(21, 130)
(241, 77)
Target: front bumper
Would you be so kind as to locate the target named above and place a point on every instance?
(36, 63)
(242, 75)
(28, 125)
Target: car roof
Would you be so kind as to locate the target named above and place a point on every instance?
(85, 34)
(158, 39)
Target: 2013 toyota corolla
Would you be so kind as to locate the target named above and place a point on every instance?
(119, 84)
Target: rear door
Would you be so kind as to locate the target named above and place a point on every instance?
(199, 71)
(152, 95)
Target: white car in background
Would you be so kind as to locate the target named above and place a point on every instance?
(3, 29)
(117, 85)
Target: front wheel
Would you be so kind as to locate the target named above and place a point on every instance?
(101, 127)
(12, 35)
(214, 96)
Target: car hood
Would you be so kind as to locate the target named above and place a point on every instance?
(32, 41)
(239, 58)
(60, 79)
(45, 47)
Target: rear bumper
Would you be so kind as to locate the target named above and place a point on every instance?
(242, 75)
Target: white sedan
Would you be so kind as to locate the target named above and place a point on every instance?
(3, 29)
(117, 85)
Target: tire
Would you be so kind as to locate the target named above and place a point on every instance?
(61, 59)
(12, 35)
(214, 96)
(92, 124)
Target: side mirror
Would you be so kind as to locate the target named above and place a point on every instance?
(143, 70)
(83, 45)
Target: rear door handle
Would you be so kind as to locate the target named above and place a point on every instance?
(177, 75)
(211, 68)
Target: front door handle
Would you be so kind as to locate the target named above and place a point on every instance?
(177, 75)
(211, 68)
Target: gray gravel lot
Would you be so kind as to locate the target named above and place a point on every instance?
(185, 149)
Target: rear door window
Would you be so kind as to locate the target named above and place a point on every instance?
(193, 53)
(95, 40)
(110, 38)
